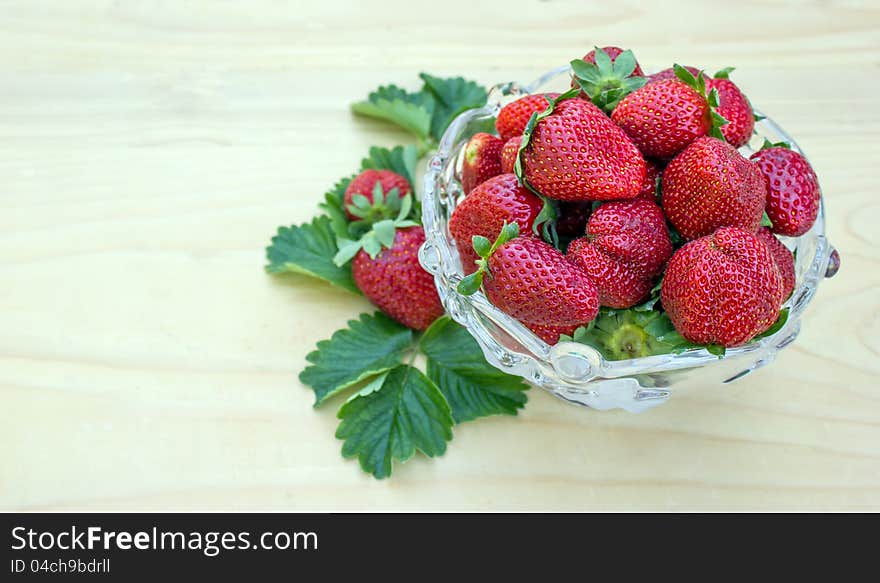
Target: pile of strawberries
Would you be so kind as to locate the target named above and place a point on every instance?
(627, 185)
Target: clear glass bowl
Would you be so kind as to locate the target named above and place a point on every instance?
(573, 371)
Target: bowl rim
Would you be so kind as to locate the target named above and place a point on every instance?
(602, 368)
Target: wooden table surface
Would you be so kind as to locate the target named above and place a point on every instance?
(148, 150)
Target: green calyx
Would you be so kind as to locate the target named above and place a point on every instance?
(634, 333)
(698, 84)
(383, 206)
(485, 248)
(768, 144)
(607, 82)
(375, 230)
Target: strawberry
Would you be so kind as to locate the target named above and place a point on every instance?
(607, 75)
(626, 247)
(710, 185)
(573, 218)
(550, 334)
(670, 74)
(722, 288)
(653, 171)
(792, 189)
(574, 152)
(372, 184)
(396, 283)
(531, 281)
(734, 107)
(664, 117)
(486, 209)
(508, 154)
(782, 257)
(482, 160)
(513, 117)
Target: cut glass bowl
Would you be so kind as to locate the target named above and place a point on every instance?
(572, 371)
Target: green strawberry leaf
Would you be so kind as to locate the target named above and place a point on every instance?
(392, 418)
(369, 346)
(309, 249)
(472, 387)
(411, 111)
(451, 97)
(400, 159)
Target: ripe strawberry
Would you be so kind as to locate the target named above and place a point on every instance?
(370, 183)
(722, 289)
(550, 334)
(576, 153)
(531, 281)
(513, 117)
(508, 154)
(626, 247)
(653, 171)
(734, 107)
(486, 209)
(782, 257)
(792, 189)
(606, 75)
(670, 74)
(663, 118)
(396, 283)
(573, 218)
(482, 160)
(710, 185)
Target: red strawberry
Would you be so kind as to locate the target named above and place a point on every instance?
(710, 185)
(653, 171)
(550, 334)
(513, 117)
(573, 218)
(486, 209)
(663, 118)
(396, 283)
(482, 160)
(670, 74)
(533, 282)
(576, 153)
(508, 154)
(782, 257)
(626, 247)
(365, 184)
(735, 108)
(606, 75)
(792, 190)
(722, 289)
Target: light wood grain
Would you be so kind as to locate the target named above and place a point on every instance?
(149, 150)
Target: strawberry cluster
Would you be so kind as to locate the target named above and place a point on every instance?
(630, 192)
